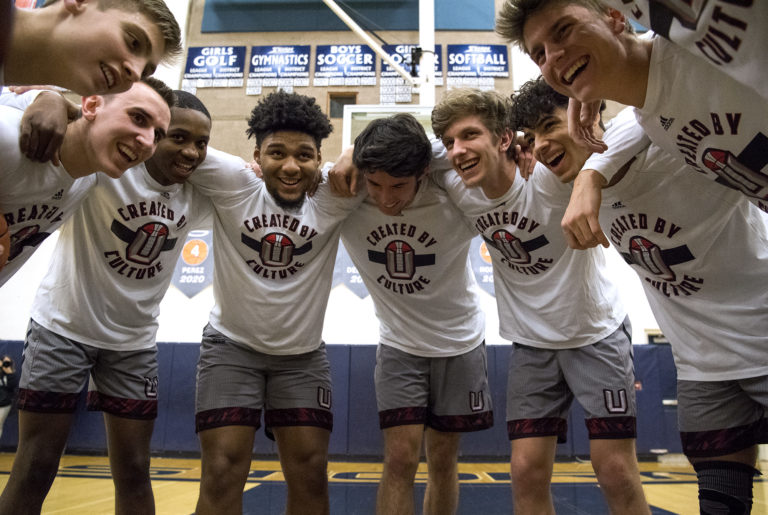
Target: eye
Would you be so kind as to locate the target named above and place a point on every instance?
(448, 144)
(562, 31)
(202, 145)
(138, 119)
(176, 138)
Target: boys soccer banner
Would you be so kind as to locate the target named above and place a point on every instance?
(344, 65)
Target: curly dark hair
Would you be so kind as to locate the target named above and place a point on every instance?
(397, 145)
(281, 111)
(535, 100)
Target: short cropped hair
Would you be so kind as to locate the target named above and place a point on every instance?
(457, 104)
(397, 145)
(157, 12)
(535, 100)
(186, 100)
(511, 19)
(281, 111)
(164, 91)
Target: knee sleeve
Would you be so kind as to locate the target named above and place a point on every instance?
(725, 487)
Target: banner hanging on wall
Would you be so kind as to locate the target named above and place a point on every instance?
(344, 65)
(478, 61)
(393, 87)
(476, 66)
(214, 67)
(282, 66)
(194, 269)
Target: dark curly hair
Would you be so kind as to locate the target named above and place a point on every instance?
(281, 111)
(535, 100)
(396, 145)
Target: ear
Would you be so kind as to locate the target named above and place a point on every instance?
(257, 155)
(617, 21)
(75, 6)
(91, 105)
(426, 171)
(506, 140)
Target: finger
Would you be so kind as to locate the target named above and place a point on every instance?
(353, 184)
(32, 147)
(597, 233)
(51, 149)
(571, 239)
(56, 158)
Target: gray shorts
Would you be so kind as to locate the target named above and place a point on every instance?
(542, 384)
(54, 370)
(722, 417)
(234, 383)
(447, 394)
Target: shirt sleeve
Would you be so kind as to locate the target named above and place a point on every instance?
(625, 139)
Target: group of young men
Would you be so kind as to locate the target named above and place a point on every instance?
(699, 247)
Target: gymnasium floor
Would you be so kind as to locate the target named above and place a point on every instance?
(83, 486)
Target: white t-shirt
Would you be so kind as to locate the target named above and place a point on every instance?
(274, 267)
(730, 36)
(548, 295)
(722, 134)
(36, 198)
(415, 266)
(701, 252)
(114, 261)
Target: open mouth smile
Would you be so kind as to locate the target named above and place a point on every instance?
(574, 70)
(109, 77)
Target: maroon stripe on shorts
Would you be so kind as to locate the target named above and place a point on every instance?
(219, 417)
(461, 423)
(703, 444)
(126, 408)
(46, 402)
(536, 427)
(402, 417)
(299, 417)
(611, 428)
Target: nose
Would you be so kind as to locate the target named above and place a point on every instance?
(146, 138)
(190, 152)
(539, 145)
(552, 52)
(132, 68)
(291, 165)
(457, 148)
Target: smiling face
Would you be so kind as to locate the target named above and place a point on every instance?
(554, 148)
(105, 52)
(391, 194)
(183, 149)
(124, 129)
(576, 49)
(475, 152)
(289, 162)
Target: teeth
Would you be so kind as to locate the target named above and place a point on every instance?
(569, 73)
(109, 76)
(466, 166)
(556, 160)
(183, 166)
(127, 151)
(290, 182)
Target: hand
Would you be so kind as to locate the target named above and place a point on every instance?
(523, 156)
(581, 118)
(253, 165)
(342, 177)
(580, 223)
(43, 127)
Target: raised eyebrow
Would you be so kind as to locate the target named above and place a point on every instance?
(543, 121)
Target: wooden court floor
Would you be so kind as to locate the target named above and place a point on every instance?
(83, 486)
